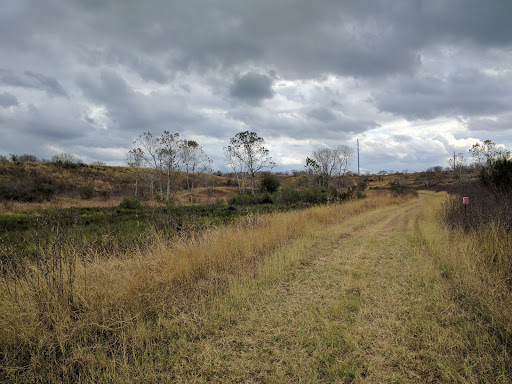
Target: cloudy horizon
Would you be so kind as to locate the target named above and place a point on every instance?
(413, 81)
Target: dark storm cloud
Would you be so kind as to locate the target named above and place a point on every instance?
(7, 100)
(492, 125)
(52, 131)
(480, 22)
(364, 38)
(322, 114)
(301, 126)
(35, 134)
(105, 87)
(32, 80)
(467, 93)
(252, 88)
(130, 110)
(170, 64)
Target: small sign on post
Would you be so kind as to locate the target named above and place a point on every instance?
(465, 200)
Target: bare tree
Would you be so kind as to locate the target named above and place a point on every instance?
(487, 152)
(458, 164)
(322, 164)
(27, 157)
(432, 175)
(66, 158)
(209, 180)
(169, 156)
(233, 158)
(249, 148)
(135, 160)
(150, 146)
(345, 155)
(195, 163)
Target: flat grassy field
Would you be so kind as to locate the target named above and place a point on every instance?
(374, 290)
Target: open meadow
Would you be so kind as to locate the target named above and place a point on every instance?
(378, 289)
(255, 192)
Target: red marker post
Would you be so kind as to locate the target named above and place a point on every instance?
(465, 201)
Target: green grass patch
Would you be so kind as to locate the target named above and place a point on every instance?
(26, 234)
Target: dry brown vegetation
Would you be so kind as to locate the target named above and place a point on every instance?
(201, 197)
(70, 314)
(31, 185)
(63, 185)
(372, 290)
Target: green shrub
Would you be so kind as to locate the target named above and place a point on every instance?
(243, 199)
(265, 198)
(131, 202)
(86, 192)
(289, 196)
(498, 175)
(314, 196)
(269, 183)
(26, 187)
(397, 187)
(105, 194)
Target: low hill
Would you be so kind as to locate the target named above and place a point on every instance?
(23, 184)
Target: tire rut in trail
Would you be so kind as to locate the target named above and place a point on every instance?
(400, 333)
(389, 290)
(304, 327)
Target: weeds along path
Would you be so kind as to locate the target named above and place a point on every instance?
(352, 293)
(363, 304)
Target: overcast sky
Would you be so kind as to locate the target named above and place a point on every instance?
(413, 80)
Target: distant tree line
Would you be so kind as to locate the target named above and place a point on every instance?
(163, 164)
(325, 164)
(61, 158)
(156, 160)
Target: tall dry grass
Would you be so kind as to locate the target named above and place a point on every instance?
(77, 316)
(477, 265)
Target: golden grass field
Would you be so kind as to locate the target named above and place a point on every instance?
(373, 290)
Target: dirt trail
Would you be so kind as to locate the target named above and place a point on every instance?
(363, 305)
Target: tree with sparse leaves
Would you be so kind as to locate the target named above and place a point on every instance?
(345, 155)
(135, 160)
(194, 162)
(459, 165)
(322, 164)
(150, 147)
(487, 152)
(232, 156)
(249, 150)
(169, 152)
(66, 158)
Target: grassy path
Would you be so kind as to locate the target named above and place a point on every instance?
(369, 291)
(364, 304)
